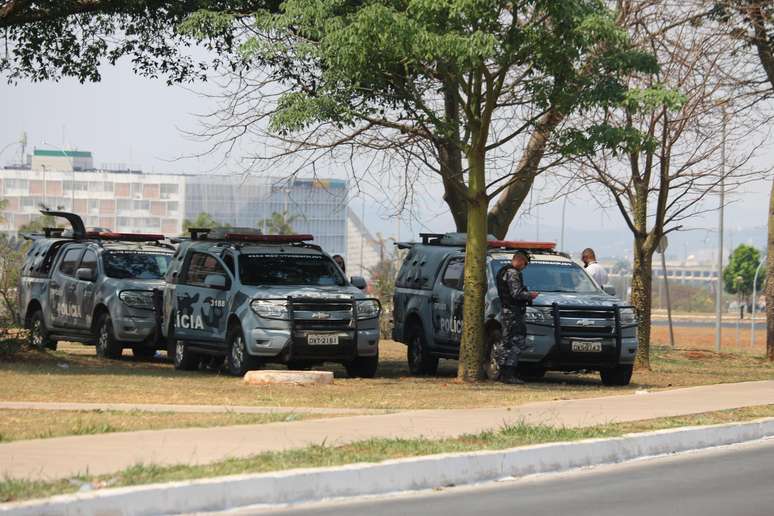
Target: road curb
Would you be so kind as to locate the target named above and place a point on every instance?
(417, 473)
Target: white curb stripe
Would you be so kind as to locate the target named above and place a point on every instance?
(305, 485)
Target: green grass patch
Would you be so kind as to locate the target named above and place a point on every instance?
(374, 450)
(16, 424)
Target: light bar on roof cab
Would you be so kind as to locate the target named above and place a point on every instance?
(126, 237)
(276, 239)
(521, 244)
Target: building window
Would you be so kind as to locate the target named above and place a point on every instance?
(168, 190)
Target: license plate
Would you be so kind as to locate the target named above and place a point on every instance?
(322, 340)
(581, 346)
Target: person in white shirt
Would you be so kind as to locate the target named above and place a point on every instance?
(595, 270)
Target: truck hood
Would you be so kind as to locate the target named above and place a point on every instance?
(332, 292)
(584, 299)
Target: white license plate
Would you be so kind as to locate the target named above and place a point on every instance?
(581, 346)
(322, 340)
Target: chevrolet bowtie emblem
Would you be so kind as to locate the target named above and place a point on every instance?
(321, 315)
(585, 322)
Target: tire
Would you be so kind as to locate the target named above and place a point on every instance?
(39, 333)
(107, 345)
(420, 361)
(494, 342)
(143, 352)
(185, 359)
(617, 376)
(238, 360)
(299, 366)
(362, 367)
(531, 372)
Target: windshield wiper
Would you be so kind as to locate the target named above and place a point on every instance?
(559, 290)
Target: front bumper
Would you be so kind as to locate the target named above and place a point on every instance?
(134, 325)
(551, 344)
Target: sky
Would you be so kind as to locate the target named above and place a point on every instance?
(141, 123)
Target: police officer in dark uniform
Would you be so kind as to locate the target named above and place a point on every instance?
(514, 297)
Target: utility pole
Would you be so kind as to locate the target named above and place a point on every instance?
(719, 288)
(754, 302)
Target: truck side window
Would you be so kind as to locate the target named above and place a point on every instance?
(89, 261)
(70, 261)
(200, 266)
(452, 276)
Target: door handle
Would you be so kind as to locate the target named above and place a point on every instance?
(53, 284)
(434, 298)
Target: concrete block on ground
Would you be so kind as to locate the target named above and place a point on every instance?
(289, 377)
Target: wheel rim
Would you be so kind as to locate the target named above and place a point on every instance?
(37, 334)
(179, 352)
(237, 352)
(103, 338)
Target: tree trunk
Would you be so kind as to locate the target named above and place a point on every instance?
(472, 345)
(511, 199)
(770, 282)
(642, 286)
(451, 174)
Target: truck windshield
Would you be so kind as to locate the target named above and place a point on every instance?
(136, 265)
(289, 269)
(545, 276)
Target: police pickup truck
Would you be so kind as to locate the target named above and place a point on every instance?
(573, 325)
(94, 287)
(252, 299)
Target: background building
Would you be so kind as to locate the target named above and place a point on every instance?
(125, 200)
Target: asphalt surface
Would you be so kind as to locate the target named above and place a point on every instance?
(729, 481)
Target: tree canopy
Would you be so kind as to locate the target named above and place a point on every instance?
(51, 39)
(739, 275)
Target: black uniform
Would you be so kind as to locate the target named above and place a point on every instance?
(515, 298)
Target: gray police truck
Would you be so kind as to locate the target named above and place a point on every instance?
(252, 299)
(94, 287)
(573, 325)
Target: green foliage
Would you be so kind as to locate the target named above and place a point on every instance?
(739, 275)
(202, 221)
(51, 39)
(278, 224)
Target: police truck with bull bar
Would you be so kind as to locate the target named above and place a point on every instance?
(237, 295)
(573, 325)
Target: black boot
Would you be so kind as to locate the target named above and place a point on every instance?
(508, 375)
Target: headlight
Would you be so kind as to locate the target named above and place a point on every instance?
(137, 298)
(367, 309)
(270, 309)
(628, 316)
(538, 314)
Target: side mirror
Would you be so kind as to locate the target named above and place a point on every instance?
(359, 282)
(610, 290)
(85, 274)
(217, 281)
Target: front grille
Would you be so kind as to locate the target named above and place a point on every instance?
(587, 331)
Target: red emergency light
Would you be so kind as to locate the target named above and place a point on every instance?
(522, 244)
(126, 237)
(272, 239)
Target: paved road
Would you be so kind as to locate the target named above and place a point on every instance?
(63, 457)
(730, 481)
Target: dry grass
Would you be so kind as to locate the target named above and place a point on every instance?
(40, 424)
(75, 374)
(369, 451)
(704, 338)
